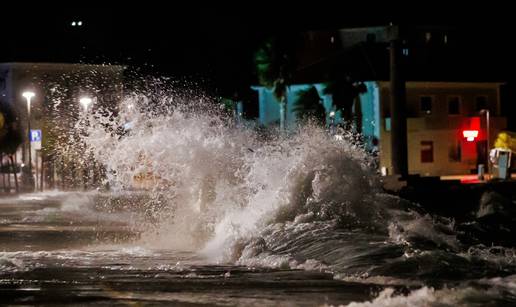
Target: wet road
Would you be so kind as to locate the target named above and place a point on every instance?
(62, 248)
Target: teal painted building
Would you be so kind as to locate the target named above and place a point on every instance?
(368, 109)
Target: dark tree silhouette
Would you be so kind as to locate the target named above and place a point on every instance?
(274, 66)
(308, 106)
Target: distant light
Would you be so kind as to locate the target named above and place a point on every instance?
(428, 36)
(332, 114)
(74, 23)
(470, 135)
(405, 51)
(79, 23)
(85, 102)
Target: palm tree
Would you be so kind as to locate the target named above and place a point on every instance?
(309, 106)
(274, 65)
(344, 93)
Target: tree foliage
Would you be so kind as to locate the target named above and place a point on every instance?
(309, 106)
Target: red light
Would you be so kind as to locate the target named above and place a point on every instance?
(470, 135)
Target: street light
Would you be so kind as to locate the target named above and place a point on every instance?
(28, 95)
(486, 112)
(85, 102)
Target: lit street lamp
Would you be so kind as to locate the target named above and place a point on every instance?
(28, 95)
(85, 102)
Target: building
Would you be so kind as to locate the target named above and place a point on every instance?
(440, 118)
(446, 125)
(445, 74)
(54, 109)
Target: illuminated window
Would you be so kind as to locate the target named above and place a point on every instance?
(388, 124)
(427, 151)
(426, 104)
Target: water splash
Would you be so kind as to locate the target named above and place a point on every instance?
(216, 184)
(485, 292)
(243, 196)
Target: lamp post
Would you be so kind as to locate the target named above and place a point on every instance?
(486, 112)
(28, 95)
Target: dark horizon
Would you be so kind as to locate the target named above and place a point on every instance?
(211, 44)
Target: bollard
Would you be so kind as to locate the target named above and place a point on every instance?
(481, 171)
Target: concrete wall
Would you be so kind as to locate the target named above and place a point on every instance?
(370, 110)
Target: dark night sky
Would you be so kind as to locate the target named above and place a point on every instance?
(211, 42)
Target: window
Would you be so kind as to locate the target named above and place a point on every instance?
(455, 152)
(405, 51)
(388, 124)
(454, 105)
(426, 104)
(480, 103)
(427, 151)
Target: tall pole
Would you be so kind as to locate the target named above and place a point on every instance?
(488, 168)
(488, 136)
(28, 95)
(399, 150)
(29, 136)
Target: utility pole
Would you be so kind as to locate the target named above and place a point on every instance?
(397, 105)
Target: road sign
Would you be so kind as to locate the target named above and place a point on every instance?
(35, 135)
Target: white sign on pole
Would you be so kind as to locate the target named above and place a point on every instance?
(35, 138)
(35, 135)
